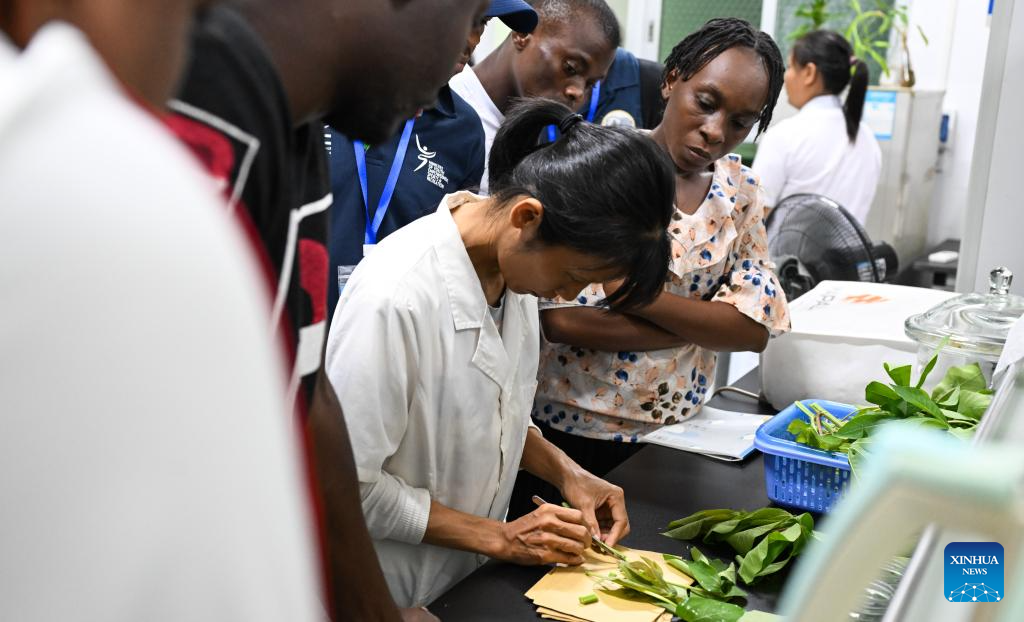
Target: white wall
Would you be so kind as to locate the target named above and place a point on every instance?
(994, 212)
(963, 49)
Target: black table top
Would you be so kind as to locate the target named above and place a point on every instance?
(661, 485)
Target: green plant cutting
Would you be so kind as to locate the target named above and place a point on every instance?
(644, 579)
(955, 406)
(765, 540)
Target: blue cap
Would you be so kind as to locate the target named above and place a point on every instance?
(517, 14)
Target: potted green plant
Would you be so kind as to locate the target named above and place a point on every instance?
(869, 35)
(869, 30)
(814, 14)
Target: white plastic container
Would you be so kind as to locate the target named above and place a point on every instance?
(842, 333)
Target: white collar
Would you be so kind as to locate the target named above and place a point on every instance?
(465, 295)
(472, 82)
(823, 102)
(494, 356)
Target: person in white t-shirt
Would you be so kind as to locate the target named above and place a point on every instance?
(571, 48)
(825, 149)
(150, 470)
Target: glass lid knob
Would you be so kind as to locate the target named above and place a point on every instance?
(999, 281)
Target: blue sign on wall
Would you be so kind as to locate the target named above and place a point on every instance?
(880, 113)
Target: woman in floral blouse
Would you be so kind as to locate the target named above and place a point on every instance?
(606, 379)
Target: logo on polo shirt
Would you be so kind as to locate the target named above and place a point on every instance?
(618, 118)
(435, 172)
(973, 572)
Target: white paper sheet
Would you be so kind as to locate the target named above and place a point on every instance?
(716, 433)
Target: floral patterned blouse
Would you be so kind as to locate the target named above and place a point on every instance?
(718, 253)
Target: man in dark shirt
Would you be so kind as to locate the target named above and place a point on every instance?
(444, 152)
(629, 95)
(264, 77)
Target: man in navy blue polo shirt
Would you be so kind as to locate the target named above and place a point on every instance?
(404, 178)
(629, 95)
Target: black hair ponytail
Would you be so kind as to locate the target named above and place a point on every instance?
(607, 192)
(837, 65)
(853, 108)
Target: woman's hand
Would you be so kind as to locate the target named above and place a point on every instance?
(550, 534)
(603, 505)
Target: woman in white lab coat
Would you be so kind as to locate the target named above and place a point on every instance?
(825, 148)
(433, 349)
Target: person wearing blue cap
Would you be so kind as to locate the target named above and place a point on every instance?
(380, 188)
(569, 51)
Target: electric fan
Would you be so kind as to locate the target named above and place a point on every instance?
(811, 238)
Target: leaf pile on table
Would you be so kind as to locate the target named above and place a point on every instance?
(765, 541)
(954, 406)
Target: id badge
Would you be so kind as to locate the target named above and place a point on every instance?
(344, 272)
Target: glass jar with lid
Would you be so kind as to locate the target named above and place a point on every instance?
(971, 328)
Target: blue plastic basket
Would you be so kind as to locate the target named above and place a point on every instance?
(797, 475)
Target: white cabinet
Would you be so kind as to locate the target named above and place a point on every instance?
(899, 213)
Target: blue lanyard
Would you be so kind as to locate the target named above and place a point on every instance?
(595, 96)
(373, 226)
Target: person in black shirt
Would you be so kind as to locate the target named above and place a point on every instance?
(263, 79)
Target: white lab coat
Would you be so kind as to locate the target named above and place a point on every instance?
(437, 403)
(810, 152)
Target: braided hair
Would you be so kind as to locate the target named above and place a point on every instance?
(718, 35)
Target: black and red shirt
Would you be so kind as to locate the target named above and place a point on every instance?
(232, 111)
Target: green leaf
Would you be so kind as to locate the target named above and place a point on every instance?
(953, 416)
(743, 541)
(697, 524)
(951, 399)
(862, 425)
(935, 357)
(776, 545)
(702, 573)
(699, 609)
(858, 454)
(919, 400)
(900, 375)
(973, 404)
(880, 394)
(969, 377)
